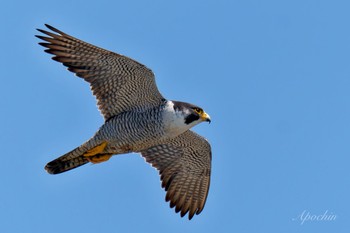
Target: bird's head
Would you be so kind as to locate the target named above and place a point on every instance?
(191, 114)
(196, 114)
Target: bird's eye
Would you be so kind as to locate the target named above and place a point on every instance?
(198, 110)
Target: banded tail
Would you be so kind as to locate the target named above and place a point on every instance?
(78, 157)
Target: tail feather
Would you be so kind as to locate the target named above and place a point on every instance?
(66, 162)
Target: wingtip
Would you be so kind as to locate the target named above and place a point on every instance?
(46, 25)
(40, 30)
(50, 27)
(55, 29)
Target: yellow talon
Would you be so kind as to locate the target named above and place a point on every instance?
(97, 154)
(99, 158)
(96, 150)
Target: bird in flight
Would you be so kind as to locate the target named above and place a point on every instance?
(137, 119)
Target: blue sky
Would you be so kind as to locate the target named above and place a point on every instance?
(273, 75)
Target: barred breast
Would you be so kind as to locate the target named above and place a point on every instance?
(133, 131)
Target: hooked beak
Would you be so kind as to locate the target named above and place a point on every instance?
(205, 117)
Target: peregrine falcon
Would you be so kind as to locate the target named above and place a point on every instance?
(137, 119)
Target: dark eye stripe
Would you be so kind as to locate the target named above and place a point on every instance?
(190, 118)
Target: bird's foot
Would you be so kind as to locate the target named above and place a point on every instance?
(96, 150)
(97, 155)
(99, 158)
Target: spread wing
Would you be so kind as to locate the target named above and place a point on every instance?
(118, 82)
(184, 164)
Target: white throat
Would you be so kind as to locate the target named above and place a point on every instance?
(174, 121)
